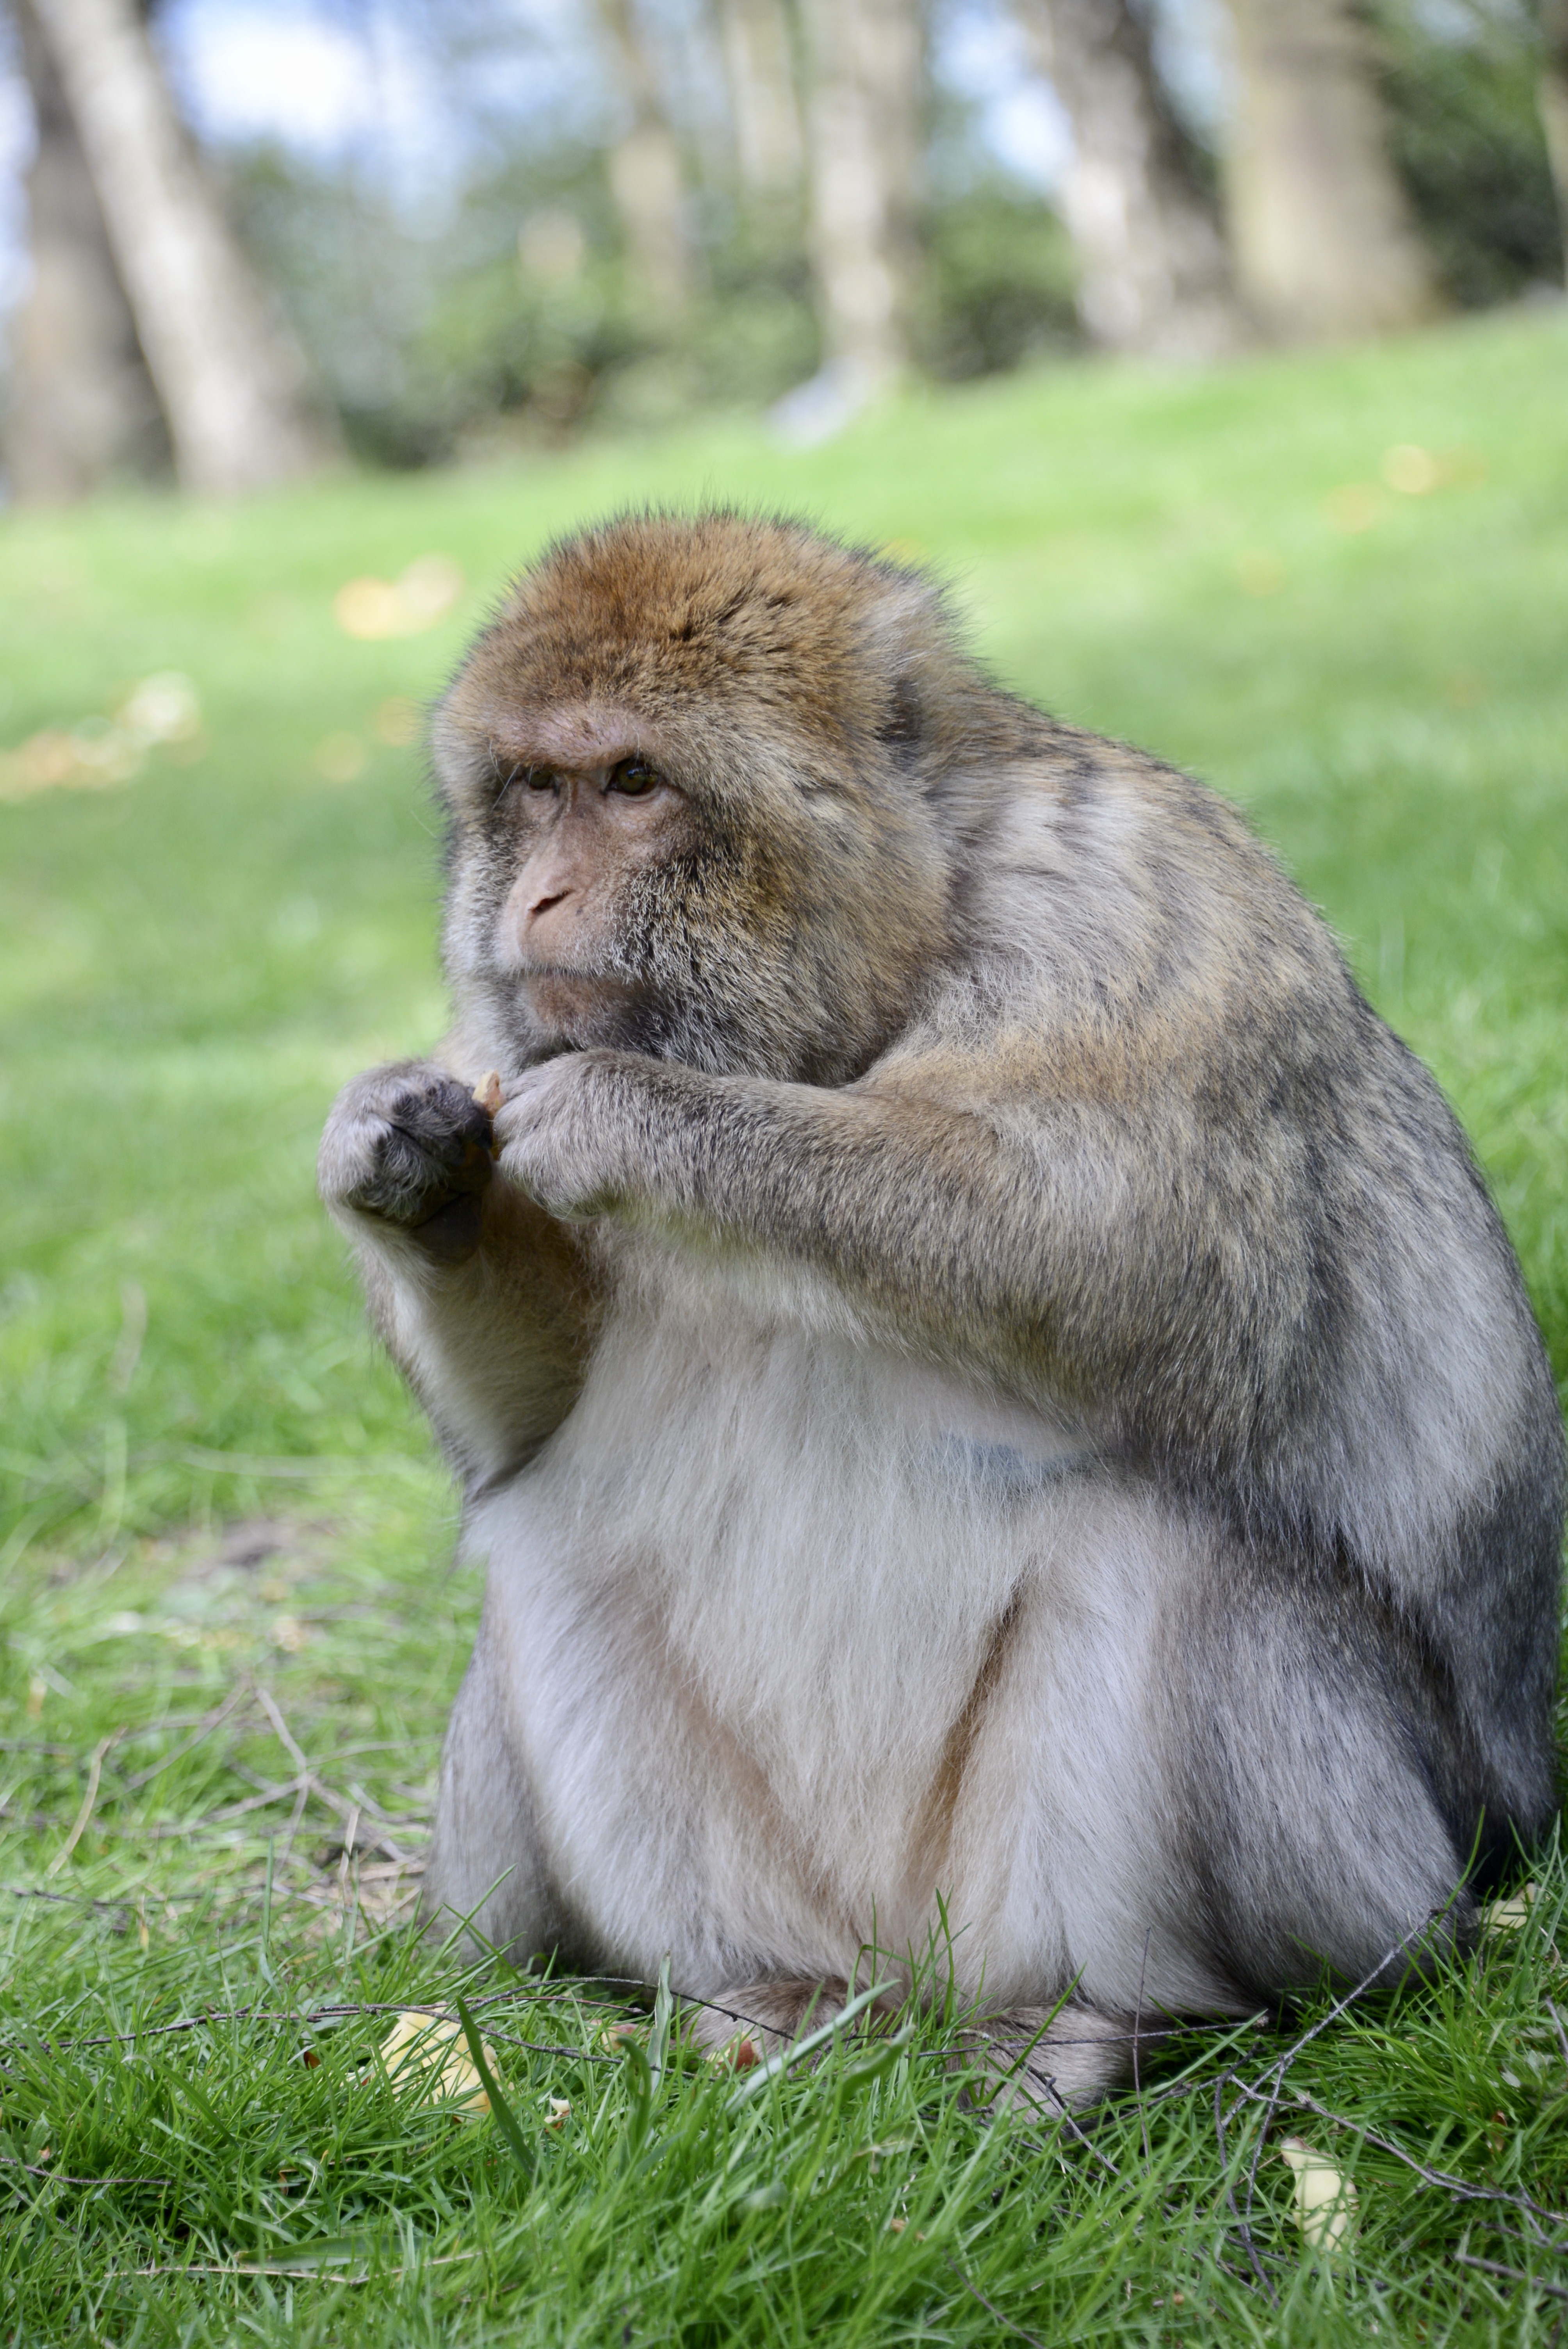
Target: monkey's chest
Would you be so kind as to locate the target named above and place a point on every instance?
(762, 1575)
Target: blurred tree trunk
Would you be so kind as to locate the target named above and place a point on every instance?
(759, 51)
(230, 377)
(1152, 269)
(83, 406)
(1322, 242)
(866, 66)
(1554, 99)
(647, 179)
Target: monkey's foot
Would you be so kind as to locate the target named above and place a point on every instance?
(750, 2021)
(1054, 2060)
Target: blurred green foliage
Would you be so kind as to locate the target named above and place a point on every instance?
(504, 319)
(1460, 86)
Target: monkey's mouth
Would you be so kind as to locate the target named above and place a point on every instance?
(571, 1010)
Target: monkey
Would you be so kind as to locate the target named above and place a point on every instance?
(993, 1393)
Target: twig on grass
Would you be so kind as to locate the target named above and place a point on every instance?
(1243, 2226)
(1442, 2179)
(239, 1694)
(991, 2308)
(319, 2272)
(346, 2013)
(67, 1900)
(90, 1800)
(1514, 2276)
(323, 1793)
(62, 2177)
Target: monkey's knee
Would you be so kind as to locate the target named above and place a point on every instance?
(486, 1879)
(1050, 2060)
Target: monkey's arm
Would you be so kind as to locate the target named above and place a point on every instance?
(478, 1294)
(1078, 1245)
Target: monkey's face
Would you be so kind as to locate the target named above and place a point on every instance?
(690, 777)
(586, 833)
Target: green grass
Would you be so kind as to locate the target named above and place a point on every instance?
(212, 1491)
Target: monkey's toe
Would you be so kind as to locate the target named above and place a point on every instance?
(750, 2021)
(1054, 2061)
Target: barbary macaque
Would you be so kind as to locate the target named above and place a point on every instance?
(988, 1382)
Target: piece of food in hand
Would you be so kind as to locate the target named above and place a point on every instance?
(487, 1092)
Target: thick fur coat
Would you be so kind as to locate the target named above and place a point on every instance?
(984, 1372)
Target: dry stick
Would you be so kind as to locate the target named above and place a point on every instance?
(340, 2013)
(1248, 2245)
(319, 2274)
(69, 1899)
(992, 2309)
(61, 2177)
(1557, 2026)
(95, 1772)
(1282, 2064)
(1514, 2276)
(323, 1793)
(258, 1802)
(211, 1721)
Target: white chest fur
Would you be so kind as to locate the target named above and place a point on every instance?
(758, 1573)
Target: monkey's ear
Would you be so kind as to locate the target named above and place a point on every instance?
(902, 726)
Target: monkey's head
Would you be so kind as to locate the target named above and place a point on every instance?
(694, 774)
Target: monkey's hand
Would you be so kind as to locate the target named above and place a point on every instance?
(410, 1146)
(569, 1134)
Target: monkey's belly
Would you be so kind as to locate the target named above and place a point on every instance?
(800, 1637)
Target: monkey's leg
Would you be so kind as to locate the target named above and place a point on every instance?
(486, 1866)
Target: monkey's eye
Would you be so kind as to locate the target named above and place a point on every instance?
(634, 777)
(522, 777)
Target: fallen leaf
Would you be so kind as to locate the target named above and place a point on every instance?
(1355, 506)
(1410, 470)
(426, 2052)
(1325, 2197)
(371, 608)
(339, 757)
(1508, 1915)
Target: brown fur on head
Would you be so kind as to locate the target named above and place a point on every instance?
(807, 703)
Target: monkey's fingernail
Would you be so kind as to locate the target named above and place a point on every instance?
(487, 1092)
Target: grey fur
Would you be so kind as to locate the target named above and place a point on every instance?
(985, 1370)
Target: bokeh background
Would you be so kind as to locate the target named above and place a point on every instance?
(428, 231)
(1213, 351)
